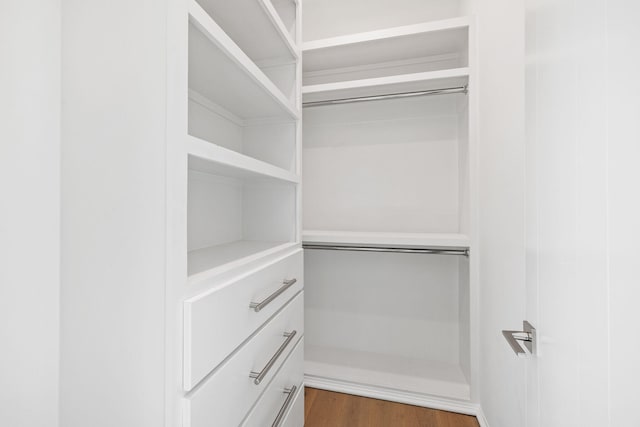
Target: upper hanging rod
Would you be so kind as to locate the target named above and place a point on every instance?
(463, 252)
(443, 91)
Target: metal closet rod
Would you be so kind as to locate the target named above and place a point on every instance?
(443, 91)
(462, 252)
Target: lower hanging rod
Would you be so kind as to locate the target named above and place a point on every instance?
(460, 252)
(443, 91)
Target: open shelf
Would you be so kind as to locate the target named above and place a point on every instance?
(396, 166)
(238, 209)
(378, 239)
(388, 371)
(221, 72)
(446, 37)
(354, 337)
(428, 80)
(209, 261)
(273, 143)
(256, 27)
(217, 160)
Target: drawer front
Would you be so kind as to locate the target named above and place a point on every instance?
(226, 396)
(278, 406)
(218, 321)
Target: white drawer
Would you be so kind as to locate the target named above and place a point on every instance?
(218, 321)
(282, 405)
(226, 396)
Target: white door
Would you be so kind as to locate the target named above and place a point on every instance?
(582, 212)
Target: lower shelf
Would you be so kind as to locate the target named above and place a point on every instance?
(388, 371)
(208, 261)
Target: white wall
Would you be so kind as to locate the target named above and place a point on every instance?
(329, 18)
(29, 212)
(623, 126)
(113, 208)
(500, 91)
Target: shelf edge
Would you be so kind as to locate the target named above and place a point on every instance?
(386, 81)
(216, 154)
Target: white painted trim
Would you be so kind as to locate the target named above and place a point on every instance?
(482, 420)
(424, 400)
(407, 30)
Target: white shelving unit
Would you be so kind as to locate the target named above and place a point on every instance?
(391, 173)
(233, 204)
(243, 114)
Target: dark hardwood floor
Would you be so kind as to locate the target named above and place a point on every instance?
(329, 409)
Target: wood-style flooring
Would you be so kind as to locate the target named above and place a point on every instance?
(329, 409)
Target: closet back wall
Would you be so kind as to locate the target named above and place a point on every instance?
(382, 166)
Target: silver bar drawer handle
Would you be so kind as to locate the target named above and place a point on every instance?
(259, 376)
(285, 407)
(286, 284)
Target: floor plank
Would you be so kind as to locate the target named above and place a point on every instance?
(330, 409)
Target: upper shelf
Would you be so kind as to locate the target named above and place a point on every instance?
(220, 71)
(399, 240)
(402, 83)
(256, 27)
(446, 37)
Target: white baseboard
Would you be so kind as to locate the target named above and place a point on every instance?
(424, 400)
(482, 420)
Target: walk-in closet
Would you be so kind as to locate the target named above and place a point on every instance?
(320, 213)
